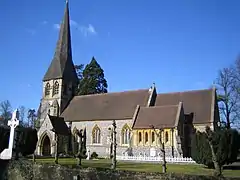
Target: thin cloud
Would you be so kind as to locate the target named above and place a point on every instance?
(73, 23)
(28, 85)
(44, 22)
(30, 31)
(85, 30)
(56, 26)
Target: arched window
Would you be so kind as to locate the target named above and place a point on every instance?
(55, 88)
(47, 89)
(166, 137)
(125, 134)
(139, 137)
(96, 135)
(153, 137)
(146, 137)
(55, 108)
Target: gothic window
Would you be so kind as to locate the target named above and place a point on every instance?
(55, 108)
(96, 135)
(153, 137)
(55, 88)
(146, 137)
(166, 137)
(125, 135)
(47, 89)
(139, 137)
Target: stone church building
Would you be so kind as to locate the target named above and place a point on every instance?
(134, 111)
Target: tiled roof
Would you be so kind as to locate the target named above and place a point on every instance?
(198, 102)
(59, 125)
(158, 116)
(108, 106)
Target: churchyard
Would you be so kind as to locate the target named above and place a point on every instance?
(190, 169)
(179, 166)
(142, 166)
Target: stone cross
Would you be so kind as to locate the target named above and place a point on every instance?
(88, 154)
(13, 123)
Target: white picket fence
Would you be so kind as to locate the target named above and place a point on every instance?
(155, 159)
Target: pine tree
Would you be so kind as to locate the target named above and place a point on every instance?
(93, 81)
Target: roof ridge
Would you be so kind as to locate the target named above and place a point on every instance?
(120, 92)
(187, 91)
(163, 106)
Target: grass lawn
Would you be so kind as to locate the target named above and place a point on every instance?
(143, 167)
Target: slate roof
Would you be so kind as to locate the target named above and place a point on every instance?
(198, 102)
(108, 106)
(62, 65)
(59, 125)
(158, 116)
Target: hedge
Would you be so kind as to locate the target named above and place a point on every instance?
(25, 140)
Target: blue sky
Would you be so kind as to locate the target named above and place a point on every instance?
(179, 45)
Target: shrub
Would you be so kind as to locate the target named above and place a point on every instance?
(225, 144)
(4, 138)
(94, 155)
(201, 152)
(25, 142)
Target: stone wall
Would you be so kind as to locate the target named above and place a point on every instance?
(26, 170)
(102, 149)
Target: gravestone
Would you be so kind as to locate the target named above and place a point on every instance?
(6, 154)
(152, 152)
(88, 154)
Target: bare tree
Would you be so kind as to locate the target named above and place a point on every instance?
(5, 111)
(228, 98)
(162, 147)
(22, 115)
(32, 118)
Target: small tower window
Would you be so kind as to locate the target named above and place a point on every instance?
(47, 89)
(56, 88)
(55, 108)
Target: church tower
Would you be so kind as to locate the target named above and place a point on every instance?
(60, 80)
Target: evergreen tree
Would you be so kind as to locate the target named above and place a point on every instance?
(200, 150)
(79, 71)
(93, 80)
(215, 148)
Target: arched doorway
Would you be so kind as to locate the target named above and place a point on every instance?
(46, 147)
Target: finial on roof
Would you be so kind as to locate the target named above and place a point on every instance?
(154, 85)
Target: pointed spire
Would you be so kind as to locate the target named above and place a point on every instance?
(62, 65)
